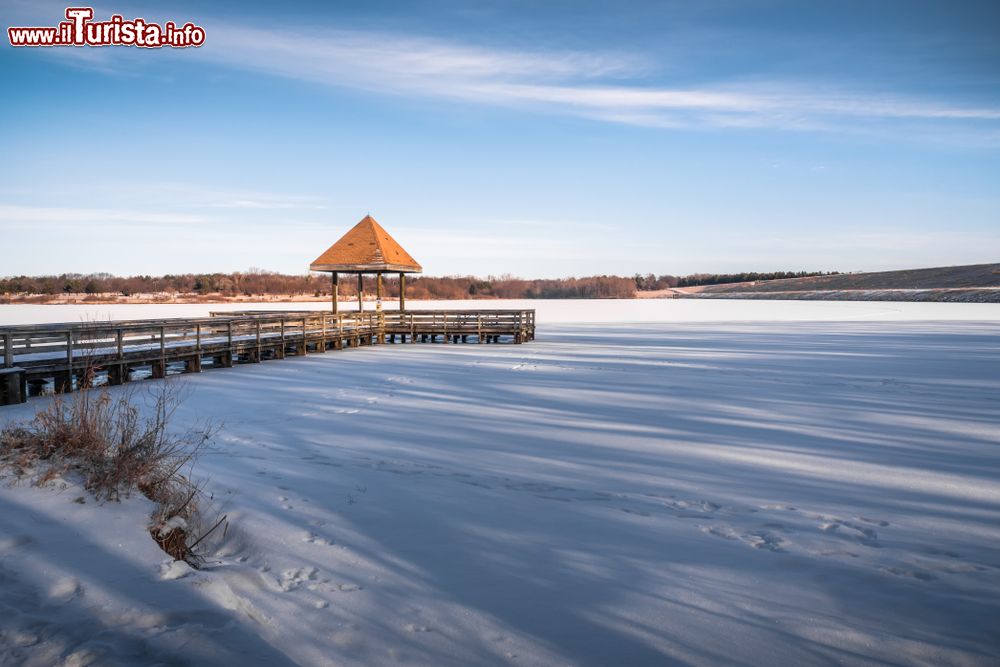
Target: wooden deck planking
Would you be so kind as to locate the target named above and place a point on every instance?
(68, 351)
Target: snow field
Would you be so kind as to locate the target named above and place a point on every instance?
(755, 492)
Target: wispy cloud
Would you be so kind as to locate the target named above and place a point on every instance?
(102, 218)
(259, 203)
(606, 86)
(610, 86)
(378, 60)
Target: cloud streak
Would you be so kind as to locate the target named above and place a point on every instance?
(607, 86)
(602, 86)
(98, 217)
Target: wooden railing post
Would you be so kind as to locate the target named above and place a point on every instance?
(69, 350)
(120, 344)
(197, 335)
(258, 340)
(229, 334)
(8, 350)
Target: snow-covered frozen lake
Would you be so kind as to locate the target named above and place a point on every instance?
(555, 311)
(672, 483)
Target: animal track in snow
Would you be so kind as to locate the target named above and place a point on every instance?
(348, 588)
(636, 512)
(876, 522)
(64, 590)
(906, 572)
(757, 538)
(764, 539)
(16, 542)
(690, 506)
(292, 579)
(863, 534)
(413, 627)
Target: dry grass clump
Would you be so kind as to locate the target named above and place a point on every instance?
(118, 442)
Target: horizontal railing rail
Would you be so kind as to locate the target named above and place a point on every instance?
(69, 347)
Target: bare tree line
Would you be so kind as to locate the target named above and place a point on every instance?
(257, 282)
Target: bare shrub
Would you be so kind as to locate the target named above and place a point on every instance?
(119, 442)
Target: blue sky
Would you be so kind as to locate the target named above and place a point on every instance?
(533, 138)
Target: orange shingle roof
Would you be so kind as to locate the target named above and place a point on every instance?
(366, 247)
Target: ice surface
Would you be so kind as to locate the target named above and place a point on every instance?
(815, 484)
(554, 311)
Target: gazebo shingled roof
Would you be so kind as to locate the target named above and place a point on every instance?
(366, 248)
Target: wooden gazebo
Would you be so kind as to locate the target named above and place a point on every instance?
(366, 248)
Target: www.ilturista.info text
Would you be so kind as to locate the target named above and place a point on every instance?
(81, 30)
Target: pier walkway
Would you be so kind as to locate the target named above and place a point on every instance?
(69, 354)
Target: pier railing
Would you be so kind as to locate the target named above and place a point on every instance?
(67, 353)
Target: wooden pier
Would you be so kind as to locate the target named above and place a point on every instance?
(70, 354)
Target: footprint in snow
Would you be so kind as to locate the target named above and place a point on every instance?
(876, 522)
(64, 590)
(636, 512)
(763, 539)
(936, 551)
(348, 588)
(862, 534)
(313, 538)
(913, 574)
(89, 655)
(20, 638)
(681, 505)
(724, 532)
(758, 539)
(13, 543)
(413, 627)
(293, 578)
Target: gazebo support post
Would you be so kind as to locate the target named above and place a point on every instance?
(378, 308)
(334, 289)
(366, 249)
